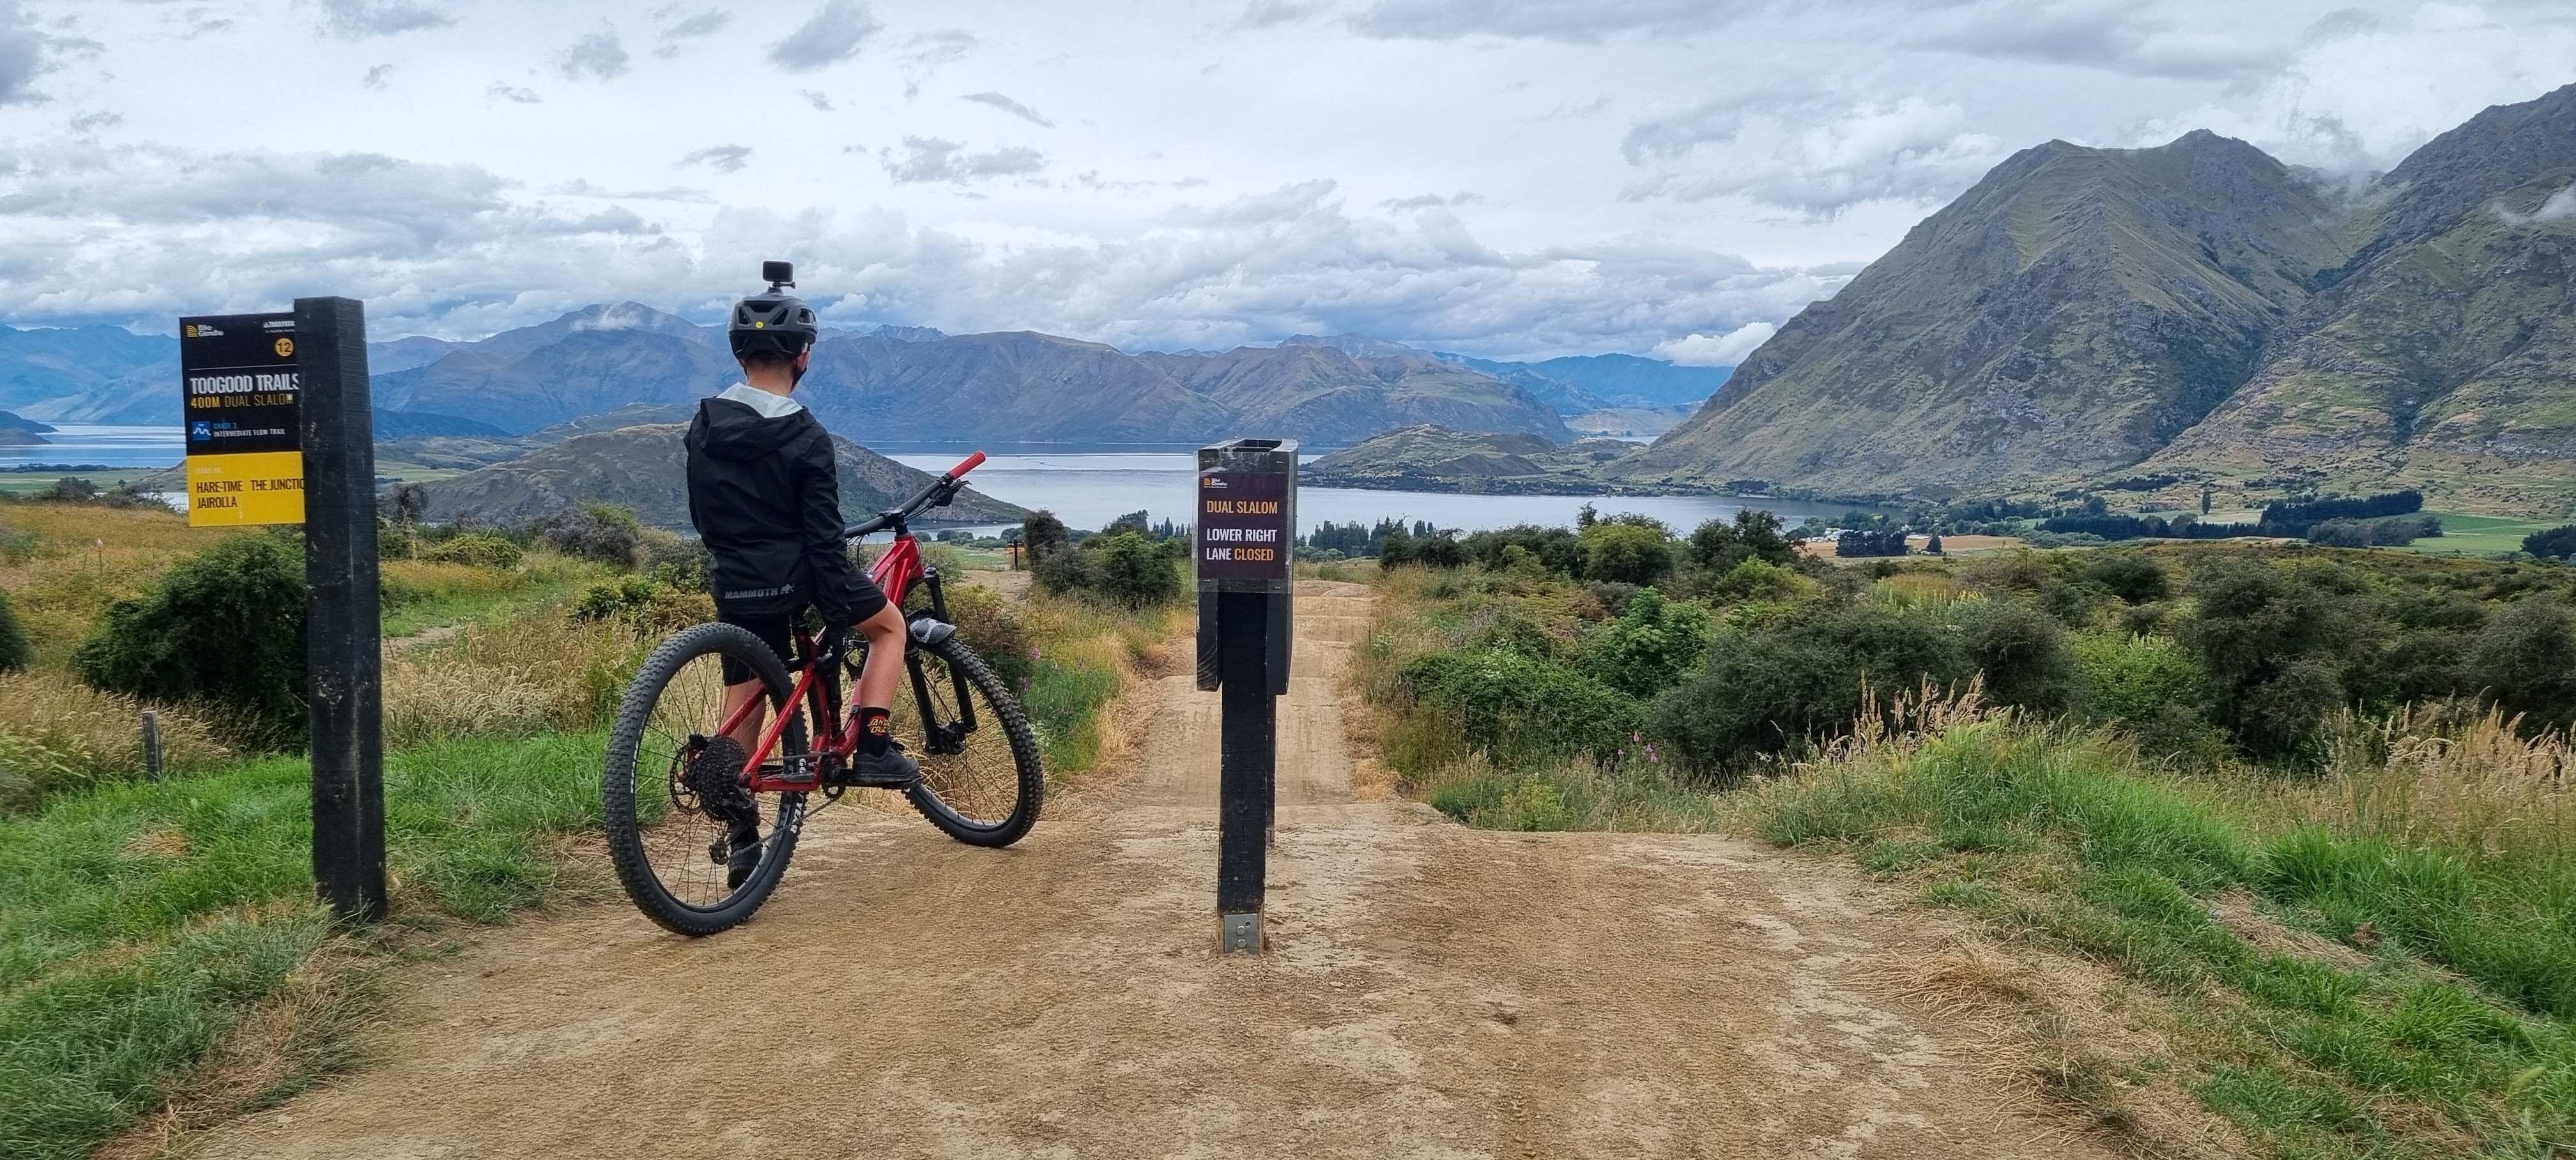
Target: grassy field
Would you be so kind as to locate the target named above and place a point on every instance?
(2466, 535)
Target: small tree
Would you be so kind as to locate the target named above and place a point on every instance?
(1045, 534)
(1628, 553)
(1932, 545)
(594, 531)
(1395, 548)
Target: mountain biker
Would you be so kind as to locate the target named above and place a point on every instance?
(764, 493)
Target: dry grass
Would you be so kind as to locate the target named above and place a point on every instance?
(58, 735)
(66, 563)
(535, 671)
(2434, 776)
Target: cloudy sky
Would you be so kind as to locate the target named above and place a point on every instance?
(1515, 178)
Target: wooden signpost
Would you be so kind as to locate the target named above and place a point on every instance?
(1247, 532)
(279, 431)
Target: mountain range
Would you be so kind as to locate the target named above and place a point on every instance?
(2198, 309)
(893, 383)
(644, 469)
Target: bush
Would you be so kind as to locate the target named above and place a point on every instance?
(1653, 645)
(1044, 534)
(593, 531)
(2151, 687)
(2272, 642)
(645, 602)
(224, 626)
(482, 550)
(1125, 568)
(1519, 708)
(2525, 660)
(2023, 655)
(1772, 691)
(1754, 579)
(674, 559)
(1627, 553)
(15, 650)
(2557, 543)
(1440, 550)
(1555, 549)
(1753, 535)
(2133, 578)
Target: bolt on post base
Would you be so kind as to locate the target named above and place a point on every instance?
(1239, 934)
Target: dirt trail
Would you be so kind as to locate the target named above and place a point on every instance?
(1432, 992)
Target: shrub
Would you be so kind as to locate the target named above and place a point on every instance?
(1753, 535)
(224, 626)
(2525, 659)
(482, 550)
(2557, 543)
(677, 560)
(2133, 578)
(1124, 568)
(1519, 708)
(1653, 645)
(1440, 550)
(1771, 691)
(1628, 553)
(1753, 578)
(15, 651)
(1555, 549)
(593, 531)
(2024, 656)
(1044, 534)
(2271, 640)
(645, 602)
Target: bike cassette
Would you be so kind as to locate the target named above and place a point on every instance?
(713, 773)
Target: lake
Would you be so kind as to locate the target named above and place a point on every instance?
(1089, 487)
(156, 446)
(1084, 484)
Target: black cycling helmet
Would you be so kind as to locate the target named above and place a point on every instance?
(775, 324)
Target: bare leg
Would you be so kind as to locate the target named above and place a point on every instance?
(754, 693)
(885, 632)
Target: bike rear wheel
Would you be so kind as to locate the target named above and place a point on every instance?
(673, 829)
(982, 785)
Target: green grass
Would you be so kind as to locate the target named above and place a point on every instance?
(140, 924)
(2465, 535)
(2454, 1032)
(419, 597)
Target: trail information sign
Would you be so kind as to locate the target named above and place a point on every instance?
(242, 402)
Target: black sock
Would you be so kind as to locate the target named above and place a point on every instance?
(874, 731)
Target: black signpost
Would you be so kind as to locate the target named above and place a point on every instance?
(342, 630)
(1247, 530)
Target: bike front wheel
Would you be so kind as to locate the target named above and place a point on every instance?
(981, 781)
(696, 852)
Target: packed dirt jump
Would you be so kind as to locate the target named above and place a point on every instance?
(1430, 991)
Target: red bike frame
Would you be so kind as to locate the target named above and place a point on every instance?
(895, 573)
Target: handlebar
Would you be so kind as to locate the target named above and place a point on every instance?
(940, 491)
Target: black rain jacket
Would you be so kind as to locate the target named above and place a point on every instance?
(765, 495)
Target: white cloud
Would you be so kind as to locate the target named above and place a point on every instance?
(835, 33)
(1811, 154)
(1007, 105)
(934, 159)
(2559, 206)
(361, 19)
(599, 56)
(1721, 350)
(1575, 21)
(728, 158)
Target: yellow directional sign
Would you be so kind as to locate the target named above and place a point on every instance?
(242, 405)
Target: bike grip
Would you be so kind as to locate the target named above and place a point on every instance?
(970, 463)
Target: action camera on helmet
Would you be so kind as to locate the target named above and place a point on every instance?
(772, 324)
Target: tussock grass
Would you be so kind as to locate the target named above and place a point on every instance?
(142, 925)
(532, 671)
(59, 736)
(422, 594)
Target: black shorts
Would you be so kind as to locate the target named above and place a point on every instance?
(775, 629)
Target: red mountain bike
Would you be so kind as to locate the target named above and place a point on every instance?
(683, 796)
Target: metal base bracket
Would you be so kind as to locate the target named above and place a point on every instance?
(1239, 933)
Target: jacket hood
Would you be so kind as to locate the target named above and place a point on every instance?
(733, 430)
